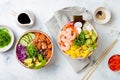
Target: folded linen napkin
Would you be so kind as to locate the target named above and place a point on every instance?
(59, 19)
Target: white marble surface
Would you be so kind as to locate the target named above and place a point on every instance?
(59, 68)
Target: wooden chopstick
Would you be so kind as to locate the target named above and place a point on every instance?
(99, 60)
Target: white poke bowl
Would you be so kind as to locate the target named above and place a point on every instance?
(87, 25)
(41, 32)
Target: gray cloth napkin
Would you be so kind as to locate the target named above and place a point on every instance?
(59, 19)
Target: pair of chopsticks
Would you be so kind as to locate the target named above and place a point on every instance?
(99, 60)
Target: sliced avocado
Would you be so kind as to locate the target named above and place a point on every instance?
(30, 65)
(87, 36)
(43, 63)
(35, 59)
(38, 65)
(28, 61)
(40, 57)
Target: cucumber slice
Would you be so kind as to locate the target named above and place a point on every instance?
(25, 39)
(30, 38)
(32, 35)
(23, 42)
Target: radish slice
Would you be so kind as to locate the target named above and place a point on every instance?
(78, 24)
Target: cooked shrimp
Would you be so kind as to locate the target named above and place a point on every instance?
(65, 47)
(73, 36)
(61, 43)
(64, 39)
(69, 30)
(61, 36)
(66, 36)
(70, 35)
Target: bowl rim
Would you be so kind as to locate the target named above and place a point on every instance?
(39, 32)
(79, 57)
(12, 36)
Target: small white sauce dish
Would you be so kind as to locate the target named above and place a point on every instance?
(102, 15)
(28, 13)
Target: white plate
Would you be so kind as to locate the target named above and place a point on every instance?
(12, 40)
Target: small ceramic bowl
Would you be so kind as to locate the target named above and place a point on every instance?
(102, 15)
(12, 39)
(30, 16)
(33, 42)
(114, 62)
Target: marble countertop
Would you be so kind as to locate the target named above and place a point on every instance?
(59, 68)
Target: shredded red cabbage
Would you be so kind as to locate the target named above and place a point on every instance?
(21, 52)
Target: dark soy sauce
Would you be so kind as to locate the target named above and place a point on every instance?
(23, 18)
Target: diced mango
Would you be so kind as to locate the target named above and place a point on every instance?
(85, 54)
(84, 47)
(72, 52)
(73, 56)
(78, 54)
(67, 52)
(76, 51)
(74, 47)
(81, 51)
